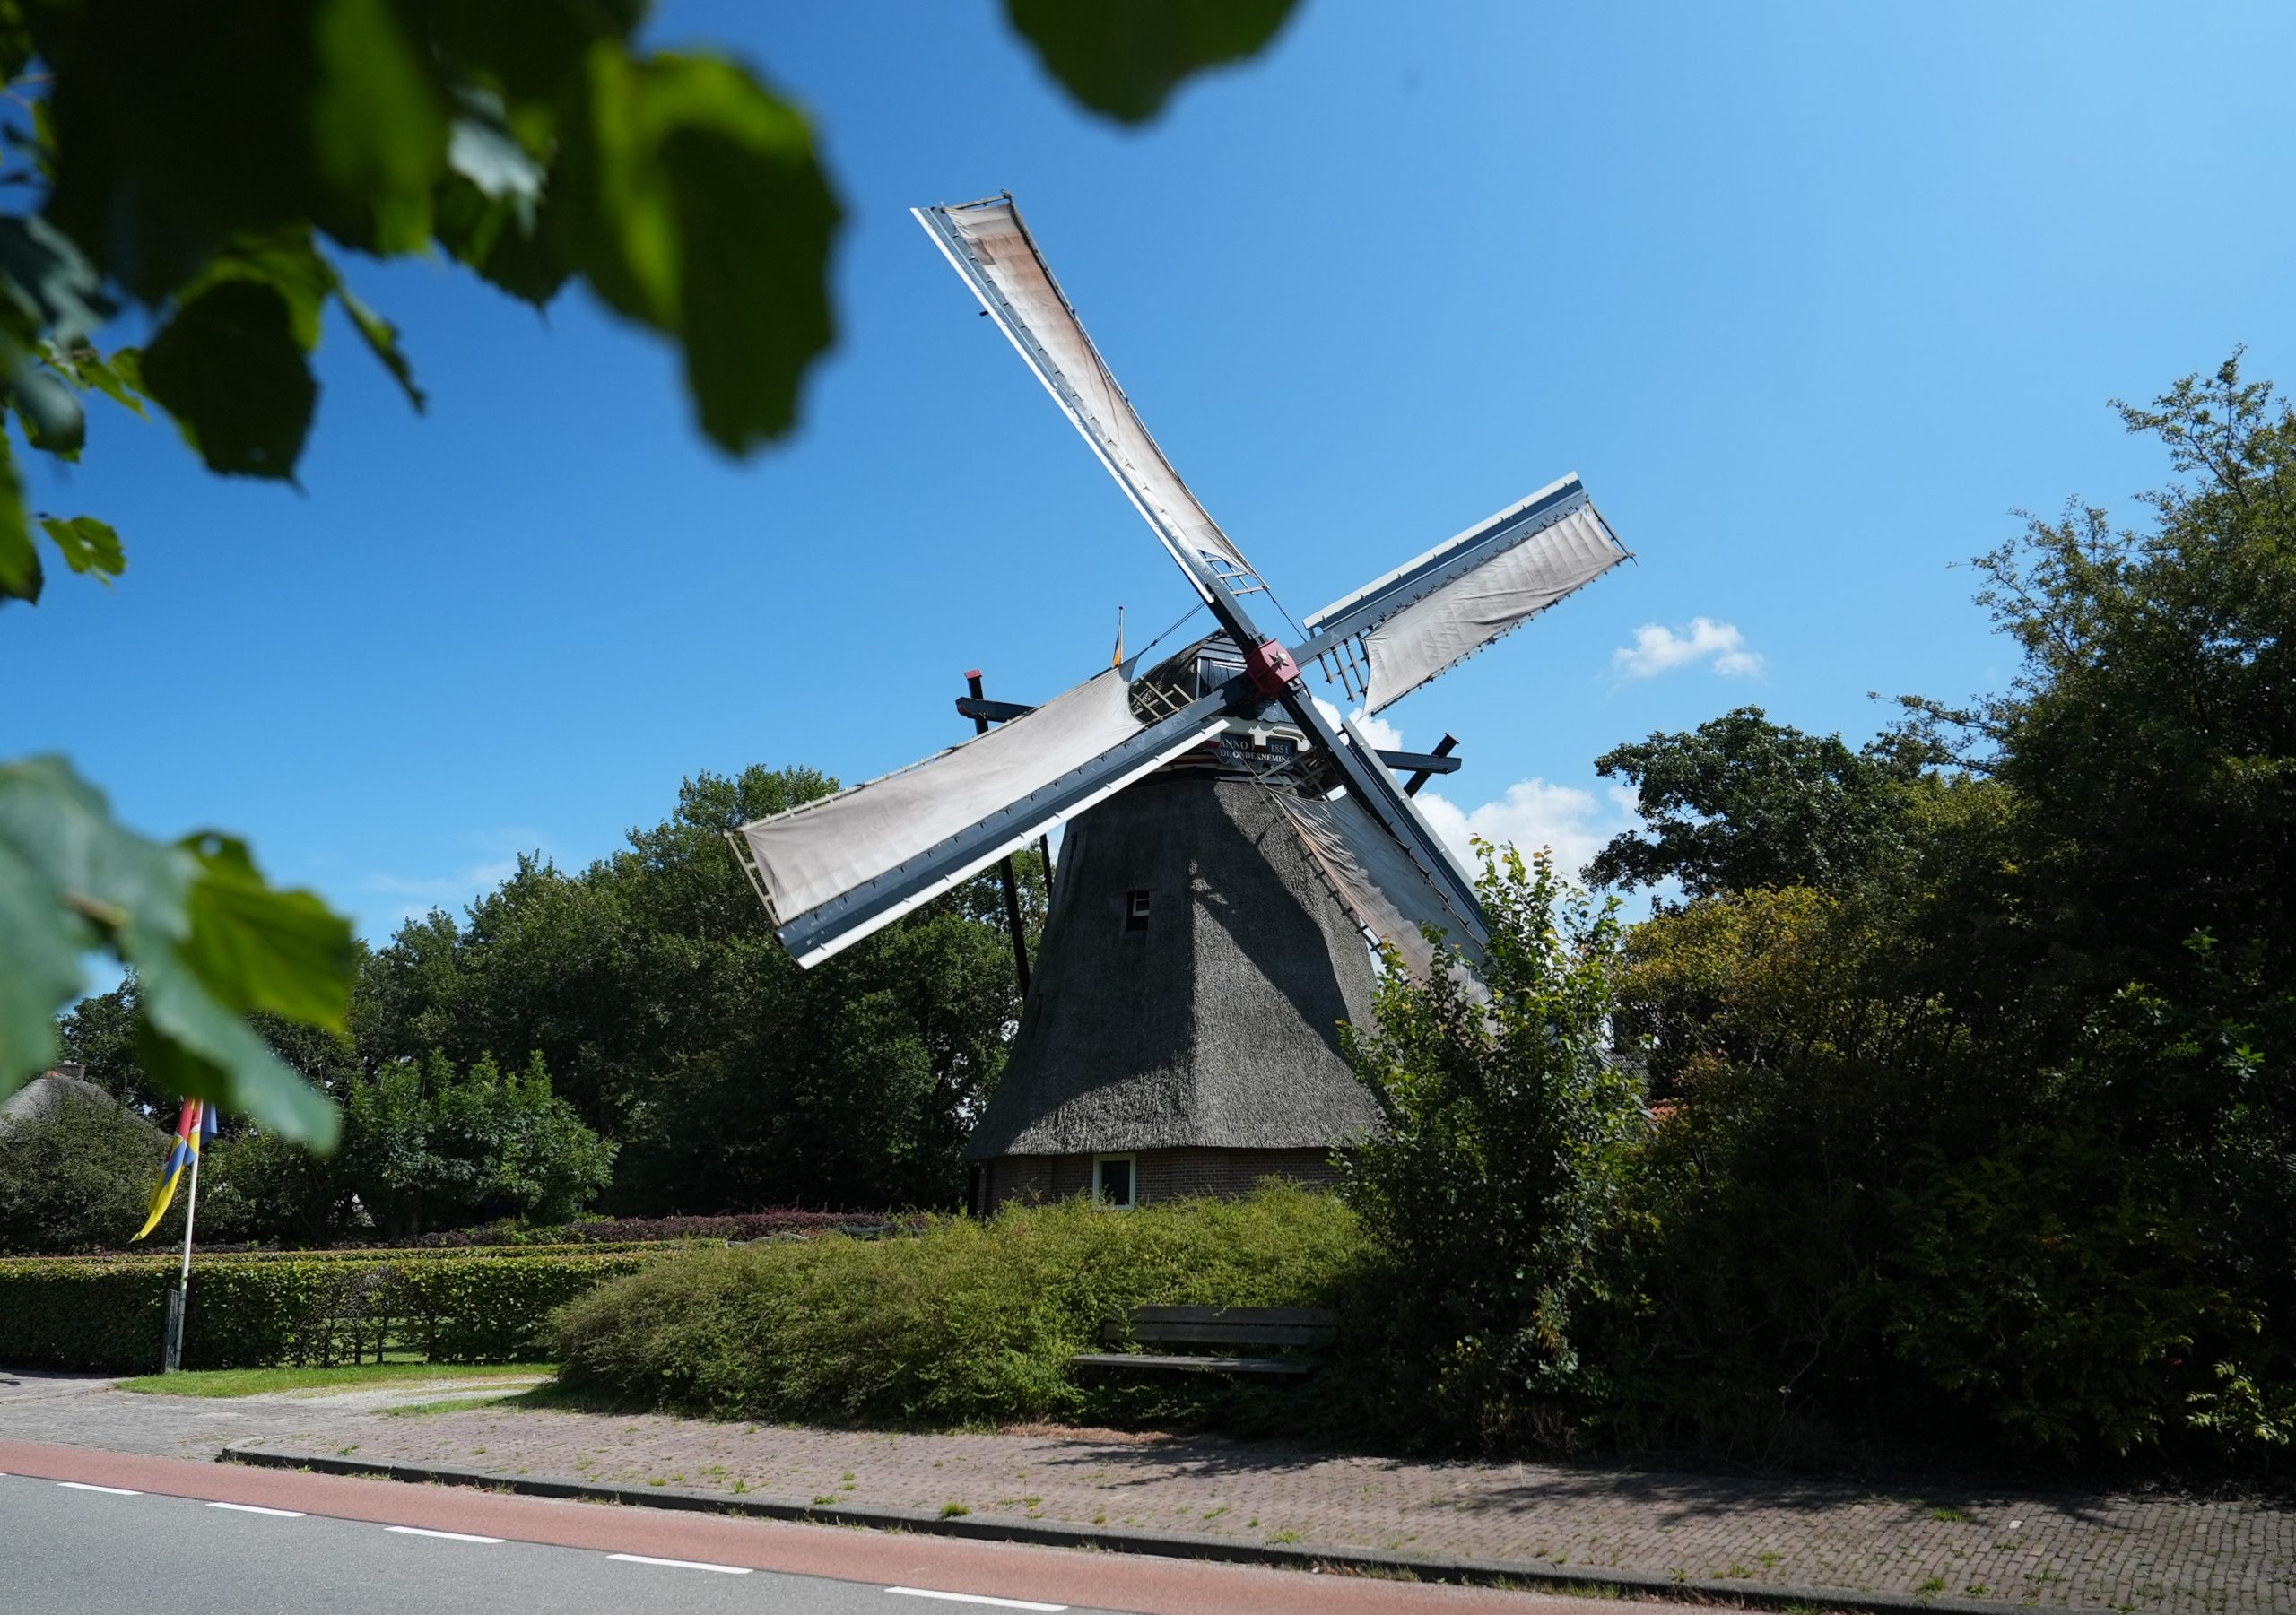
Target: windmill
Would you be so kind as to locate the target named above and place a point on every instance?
(1230, 847)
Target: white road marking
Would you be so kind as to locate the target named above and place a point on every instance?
(451, 1536)
(116, 1491)
(283, 1514)
(679, 1564)
(1002, 1603)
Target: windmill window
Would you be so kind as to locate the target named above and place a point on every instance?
(1135, 912)
(1114, 1181)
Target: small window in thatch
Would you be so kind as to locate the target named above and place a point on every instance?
(1113, 1181)
(1135, 912)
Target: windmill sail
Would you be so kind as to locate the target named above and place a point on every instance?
(1425, 617)
(1367, 870)
(834, 871)
(987, 245)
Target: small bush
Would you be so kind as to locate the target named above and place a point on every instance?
(969, 1322)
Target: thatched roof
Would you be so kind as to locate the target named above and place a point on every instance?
(49, 1092)
(1216, 1026)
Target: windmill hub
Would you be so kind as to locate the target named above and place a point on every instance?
(1230, 851)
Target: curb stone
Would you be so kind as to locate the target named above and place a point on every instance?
(1168, 1544)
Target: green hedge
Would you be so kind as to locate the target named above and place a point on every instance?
(108, 1314)
(474, 1253)
(969, 1322)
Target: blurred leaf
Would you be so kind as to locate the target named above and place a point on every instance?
(379, 126)
(208, 940)
(192, 1043)
(88, 544)
(1125, 57)
(289, 264)
(490, 235)
(178, 128)
(70, 880)
(691, 199)
(52, 417)
(483, 149)
(20, 570)
(531, 51)
(16, 47)
(259, 949)
(382, 340)
(51, 285)
(230, 368)
(118, 378)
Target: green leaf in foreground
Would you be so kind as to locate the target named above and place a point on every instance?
(229, 369)
(88, 544)
(20, 570)
(209, 941)
(691, 199)
(1125, 57)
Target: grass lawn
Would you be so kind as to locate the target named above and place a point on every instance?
(254, 1381)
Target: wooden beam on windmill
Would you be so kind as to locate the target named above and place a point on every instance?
(1005, 872)
(1426, 768)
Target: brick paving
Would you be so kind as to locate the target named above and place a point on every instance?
(2106, 1551)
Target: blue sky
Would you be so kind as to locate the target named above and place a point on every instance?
(1813, 297)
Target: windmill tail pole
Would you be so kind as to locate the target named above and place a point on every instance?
(1007, 875)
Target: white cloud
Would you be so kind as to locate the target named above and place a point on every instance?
(1657, 649)
(412, 897)
(1382, 735)
(1572, 822)
(440, 888)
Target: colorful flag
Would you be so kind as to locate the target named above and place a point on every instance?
(198, 1123)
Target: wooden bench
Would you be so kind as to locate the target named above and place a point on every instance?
(1232, 1327)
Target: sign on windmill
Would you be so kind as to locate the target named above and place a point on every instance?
(1229, 848)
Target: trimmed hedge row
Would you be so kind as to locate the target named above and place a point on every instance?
(203, 1256)
(109, 1313)
(733, 1225)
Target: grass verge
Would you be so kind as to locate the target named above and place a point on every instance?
(258, 1382)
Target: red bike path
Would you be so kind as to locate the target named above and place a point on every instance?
(1152, 1587)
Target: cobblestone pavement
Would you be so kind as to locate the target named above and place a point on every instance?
(2104, 1551)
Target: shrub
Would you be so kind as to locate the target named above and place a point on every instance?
(79, 1175)
(968, 1322)
(108, 1312)
(1507, 1129)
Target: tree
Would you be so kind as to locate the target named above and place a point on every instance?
(98, 1036)
(2151, 730)
(425, 1145)
(671, 1017)
(1506, 1125)
(1988, 1130)
(1740, 802)
(203, 164)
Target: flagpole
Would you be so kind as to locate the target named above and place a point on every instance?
(183, 1280)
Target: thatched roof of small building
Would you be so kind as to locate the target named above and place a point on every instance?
(1217, 1026)
(49, 1092)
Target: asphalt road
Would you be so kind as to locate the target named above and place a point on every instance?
(75, 1549)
